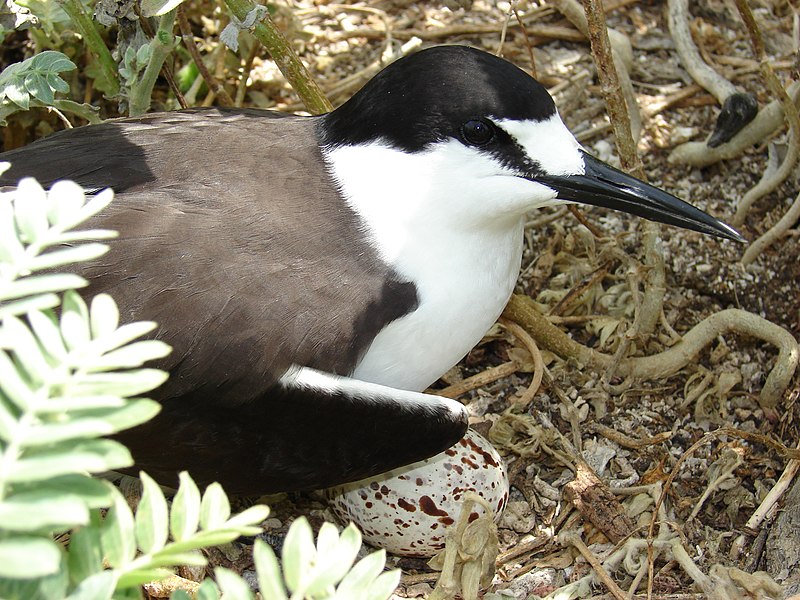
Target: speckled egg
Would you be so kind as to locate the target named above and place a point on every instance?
(406, 511)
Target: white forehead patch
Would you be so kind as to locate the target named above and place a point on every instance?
(548, 142)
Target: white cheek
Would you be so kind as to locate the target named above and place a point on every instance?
(449, 186)
(549, 143)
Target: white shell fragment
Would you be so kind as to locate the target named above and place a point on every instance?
(406, 511)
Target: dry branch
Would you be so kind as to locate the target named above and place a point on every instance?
(522, 310)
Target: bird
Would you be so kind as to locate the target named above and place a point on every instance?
(315, 274)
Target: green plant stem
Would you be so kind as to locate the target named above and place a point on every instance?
(285, 57)
(83, 22)
(161, 45)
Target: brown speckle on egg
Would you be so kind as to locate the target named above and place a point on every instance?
(406, 505)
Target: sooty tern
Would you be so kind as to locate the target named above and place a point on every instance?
(314, 274)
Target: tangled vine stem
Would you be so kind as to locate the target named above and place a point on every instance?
(549, 337)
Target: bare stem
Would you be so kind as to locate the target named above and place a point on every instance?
(285, 58)
(188, 41)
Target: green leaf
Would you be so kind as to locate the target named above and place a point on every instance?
(361, 576)
(117, 535)
(44, 434)
(185, 515)
(30, 216)
(216, 537)
(96, 587)
(26, 557)
(65, 199)
(8, 418)
(73, 456)
(124, 335)
(14, 386)
(139, 577)
(130, 356)
(46, 329)
(70, 237)
(75, 321)
(36, 85)
(384, 585)
(20, 307)
(94, 493)
(56, 83)
(16, 92)
(131, 383)
(335, 556)
(42, 510)
(170, 558)
(270, 580)
(92, 423)
(61, 404)
(104, 315)
(95, 204)
(214, 508)
(52, 61)
(208, 590)
(16, 336)
(39, 284)
(133, 413)
(152, 517)
(232, 585)
(47, 587)
(250, 516)
(65, 256)
(299, 554)
(85, 556)
(11, 250)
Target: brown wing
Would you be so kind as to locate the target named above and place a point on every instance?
(234, 239)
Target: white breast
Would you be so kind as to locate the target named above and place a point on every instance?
(460, 299)
(449, 220)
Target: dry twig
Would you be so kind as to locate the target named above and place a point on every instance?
(538, 364)
(188, 42)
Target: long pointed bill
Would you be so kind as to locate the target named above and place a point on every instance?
(603, 185)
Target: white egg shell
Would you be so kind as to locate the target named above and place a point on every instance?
(407, 511)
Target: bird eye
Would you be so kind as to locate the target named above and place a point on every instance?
(477, 133)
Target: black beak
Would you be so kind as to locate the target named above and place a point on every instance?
(603, 185)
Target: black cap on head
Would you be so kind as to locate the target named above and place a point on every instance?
(428, 97)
